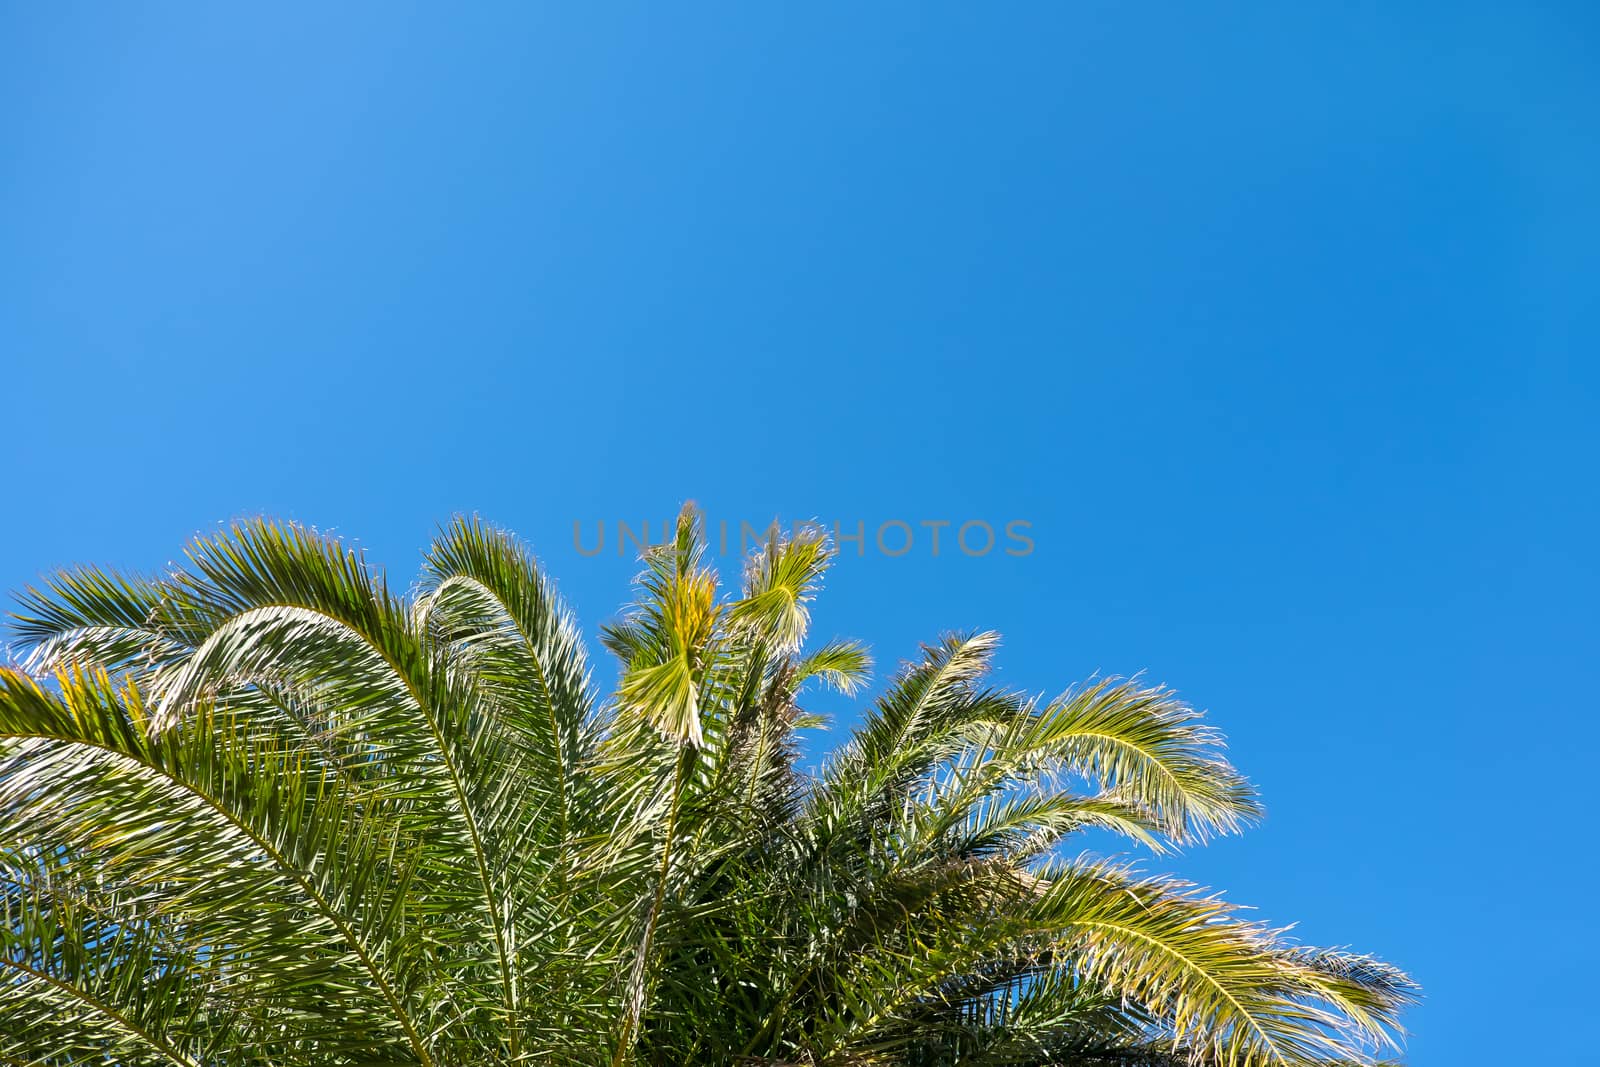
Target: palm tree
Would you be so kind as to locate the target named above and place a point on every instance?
(267, 810)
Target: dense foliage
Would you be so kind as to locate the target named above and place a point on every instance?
(267, 810)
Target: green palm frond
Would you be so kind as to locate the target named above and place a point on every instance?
(271, 870)
(844, 665)
(94, 617)
(1232, 990)
(780, 582)
(1150, 746)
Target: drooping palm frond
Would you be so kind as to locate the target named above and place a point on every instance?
(267, 810)
(205, 844)
(95, 617)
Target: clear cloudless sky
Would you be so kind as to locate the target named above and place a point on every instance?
(1278, 323)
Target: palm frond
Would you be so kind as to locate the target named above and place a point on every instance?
(269, 865)
(96, 618)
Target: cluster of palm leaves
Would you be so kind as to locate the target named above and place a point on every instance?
(267, 810)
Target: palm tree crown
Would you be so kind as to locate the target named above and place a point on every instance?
(266, 810)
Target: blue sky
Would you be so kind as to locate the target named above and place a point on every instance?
(1276, 322)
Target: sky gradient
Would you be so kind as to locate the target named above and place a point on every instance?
(1276, 323)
